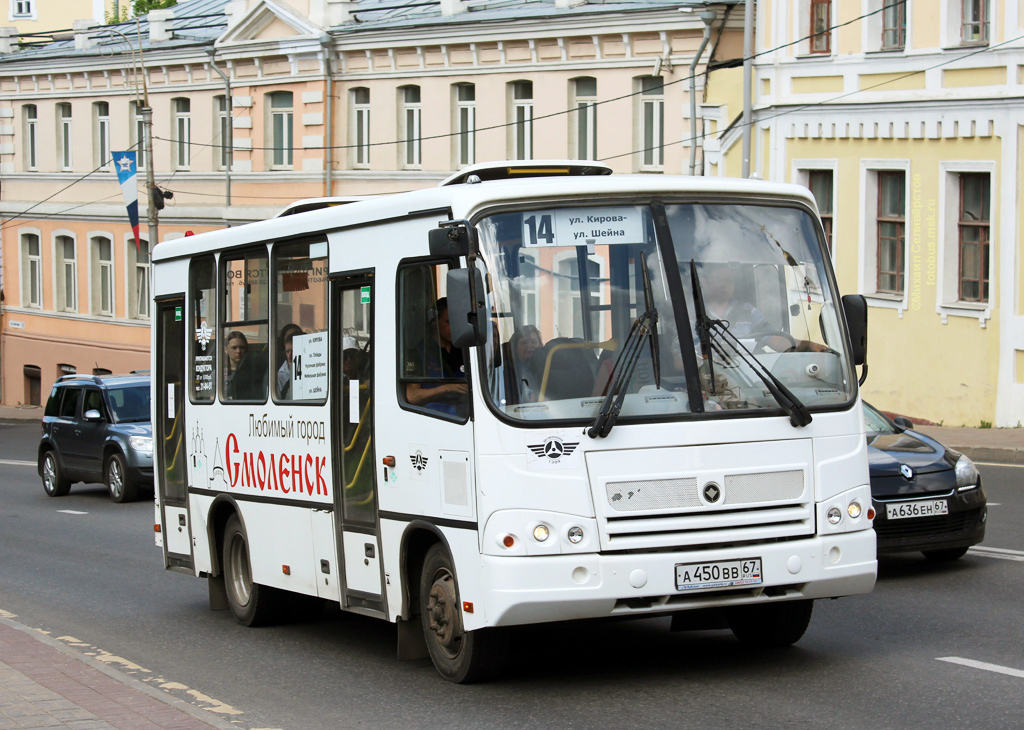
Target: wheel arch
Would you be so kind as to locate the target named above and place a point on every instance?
(221, 510)
(418, 538)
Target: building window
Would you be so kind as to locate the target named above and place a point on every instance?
(281, 125)
(361, 127)
(522, 120)
(821, 22)
(139, 285)
(974, 21)
(465, 124)
(409, 126)
(894, 24)
(652, 124)
(891, 223)
(973, 237)
(138, 132)
(23, 9)
(67, 274)
(583, 129)
(182, 132)
(31, 271)
(103, 276)
(64, 134)
(222, 123)
(820, 184)
(101, 143)
(31, 119)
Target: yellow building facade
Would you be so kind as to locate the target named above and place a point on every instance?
(905, 119)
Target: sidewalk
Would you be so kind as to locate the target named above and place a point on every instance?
(44, 684)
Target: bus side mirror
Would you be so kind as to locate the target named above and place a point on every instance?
(449, 242)
(469, 321)
(855, 306)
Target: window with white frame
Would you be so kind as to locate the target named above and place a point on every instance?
(974, 20)
(651, 131)
(820, 184)
(101, 132)
(281, 106)
(465, 124)
(31, 271)
(182, 110)
(409, 126)
(522, 120)
(891, 232)
(23, 9)
(973, 229)
(64, 135)
(30, 115)
(222, 123)
(138, 278)
(67, 273)
(138, 135)
(102, 276)
(583, 124)
(360, 126)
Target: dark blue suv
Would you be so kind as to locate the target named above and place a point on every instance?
(96, 428)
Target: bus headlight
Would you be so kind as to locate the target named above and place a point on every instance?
(854, 510)
(541, 533)
(575, 535)
(834, 516)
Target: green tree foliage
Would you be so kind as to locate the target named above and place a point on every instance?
(138, 8)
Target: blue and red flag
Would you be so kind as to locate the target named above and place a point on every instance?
(127, 173)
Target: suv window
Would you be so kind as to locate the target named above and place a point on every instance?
(69, 402)
(93, 401)
(129, 404)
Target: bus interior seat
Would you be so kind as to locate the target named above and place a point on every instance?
(571, 370)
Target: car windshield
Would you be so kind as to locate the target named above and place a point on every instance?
(129, 404)
(875, 422)
(568, 285)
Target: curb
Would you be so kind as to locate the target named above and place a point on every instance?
(991, 454)
(198, 713)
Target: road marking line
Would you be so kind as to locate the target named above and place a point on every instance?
(982, 665)
(13, 462)
(72, 512)
(987, 552)
(996, 463)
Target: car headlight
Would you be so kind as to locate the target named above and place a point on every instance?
(141, 443)
(966, 474)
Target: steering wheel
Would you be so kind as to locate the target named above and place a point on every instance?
(764, 337)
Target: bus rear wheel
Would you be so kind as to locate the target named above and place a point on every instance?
(251, 603)
(459, 656)
(770, 625)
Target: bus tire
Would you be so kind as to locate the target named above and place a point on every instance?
(119, 485)
(770, 625)
(54, 483)
(459, 656)
(251, 603)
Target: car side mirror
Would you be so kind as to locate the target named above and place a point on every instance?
(92, 415)
(449, 241)
(468, 319)
(903, 423)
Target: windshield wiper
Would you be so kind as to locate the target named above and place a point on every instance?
(646, 325)
(708, 328)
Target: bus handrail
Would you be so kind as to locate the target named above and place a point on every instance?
(359, 428)
(611, 344)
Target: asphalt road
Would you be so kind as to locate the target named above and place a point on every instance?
(86, 571)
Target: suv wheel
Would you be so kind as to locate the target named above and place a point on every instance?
(54, 483)
(121, 488)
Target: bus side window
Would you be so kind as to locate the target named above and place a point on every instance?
(244, 326)
(202, 290)
(298, 365)
(432, 372)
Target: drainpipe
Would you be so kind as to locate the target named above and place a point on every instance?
(748, 50)
(329, 121)
(230, 131)
(708, 16)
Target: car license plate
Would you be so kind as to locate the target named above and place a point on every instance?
(921, 508)
(721, 574)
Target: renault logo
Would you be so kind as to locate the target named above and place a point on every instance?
(712, 492)
(906, 471)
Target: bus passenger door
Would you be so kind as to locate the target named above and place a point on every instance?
(169, 433)
(355, 475)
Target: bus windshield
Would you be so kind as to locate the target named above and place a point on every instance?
(582, 305)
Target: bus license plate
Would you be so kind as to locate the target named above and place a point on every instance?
(926, 508)
(721, 574)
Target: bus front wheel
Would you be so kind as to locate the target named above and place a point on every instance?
(251, 603)
(459, 656)
(770, 625)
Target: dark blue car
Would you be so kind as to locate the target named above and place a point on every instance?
(926, 497)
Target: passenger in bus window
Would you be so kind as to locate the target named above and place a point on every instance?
(284, 373)
(236, 346)
(439, 358)
(524, 343)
